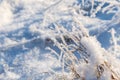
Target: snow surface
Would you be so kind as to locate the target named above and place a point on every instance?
(27, 28)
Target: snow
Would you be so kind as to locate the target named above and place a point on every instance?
(6, 14)
(59, 39)
(92, 46)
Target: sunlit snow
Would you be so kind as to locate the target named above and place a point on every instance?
(59, 39)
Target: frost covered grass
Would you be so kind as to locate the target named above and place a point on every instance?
(59, 40)
(94, 62)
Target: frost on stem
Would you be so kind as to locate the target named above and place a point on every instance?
(82, 54)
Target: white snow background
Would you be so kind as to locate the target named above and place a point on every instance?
(27, 27)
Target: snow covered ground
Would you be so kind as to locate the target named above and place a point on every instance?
(28, 29)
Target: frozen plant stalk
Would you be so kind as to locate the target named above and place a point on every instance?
(93, 60)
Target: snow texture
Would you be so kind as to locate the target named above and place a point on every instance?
(59, 39)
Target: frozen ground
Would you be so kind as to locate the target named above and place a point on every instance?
(25, 29)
